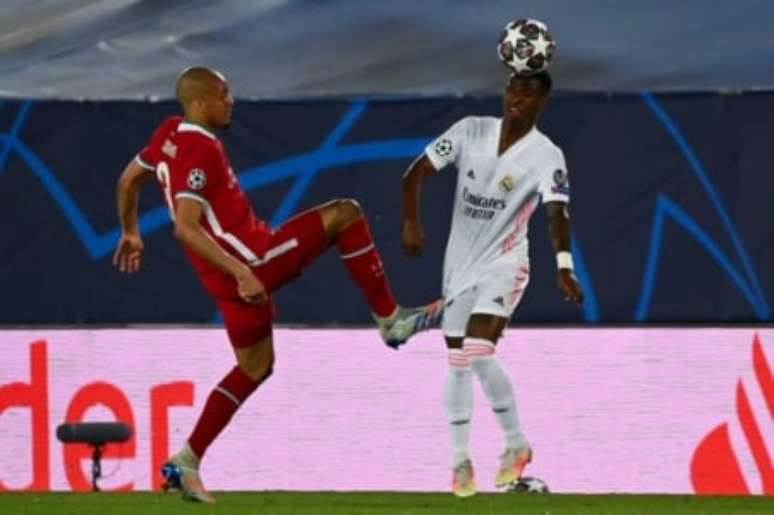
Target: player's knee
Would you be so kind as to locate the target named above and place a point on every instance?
(258, 363)
(268, 373)
(259, 371)
(262, 373)
(478, 349)
(348, 209)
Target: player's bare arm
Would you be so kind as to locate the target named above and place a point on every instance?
(412, 235)
(559, 230)
(189, 231)
(128, 254)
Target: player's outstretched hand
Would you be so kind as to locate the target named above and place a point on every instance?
(128, 254)
(412, 238)
(250, 288)
(569, 286)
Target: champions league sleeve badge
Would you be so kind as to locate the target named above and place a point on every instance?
(561, 184)
(444, 147)
(196, 179)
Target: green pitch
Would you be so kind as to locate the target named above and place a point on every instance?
(327, 503)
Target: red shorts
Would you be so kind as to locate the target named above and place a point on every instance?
(293, 246)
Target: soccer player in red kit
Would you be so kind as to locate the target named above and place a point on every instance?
(238, 257)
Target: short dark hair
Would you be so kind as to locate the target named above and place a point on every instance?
(543, 77)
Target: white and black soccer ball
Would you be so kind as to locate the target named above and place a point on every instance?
(526, 46)
(529, 485)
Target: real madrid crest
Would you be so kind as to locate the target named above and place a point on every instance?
(506, 184)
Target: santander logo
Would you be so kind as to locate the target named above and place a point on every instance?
(715, 466)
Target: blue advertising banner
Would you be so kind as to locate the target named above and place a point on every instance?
(671, 206)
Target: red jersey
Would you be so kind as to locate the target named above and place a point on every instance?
(190, 162)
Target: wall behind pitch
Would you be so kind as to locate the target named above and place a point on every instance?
(671, 206)
(606, 410)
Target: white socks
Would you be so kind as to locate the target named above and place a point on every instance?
(458, 403)
(497, 387)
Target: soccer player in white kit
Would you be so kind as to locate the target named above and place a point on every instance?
(505, 167)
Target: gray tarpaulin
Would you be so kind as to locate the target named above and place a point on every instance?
(294, 48)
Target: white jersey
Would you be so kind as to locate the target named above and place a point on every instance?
(495, 196)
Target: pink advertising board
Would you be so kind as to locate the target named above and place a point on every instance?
(606, 410)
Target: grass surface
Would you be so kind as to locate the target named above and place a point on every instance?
(392, 503)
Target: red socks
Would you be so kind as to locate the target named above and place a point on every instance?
(364, 264)
(221, 405)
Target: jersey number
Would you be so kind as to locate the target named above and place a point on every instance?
(162, 174)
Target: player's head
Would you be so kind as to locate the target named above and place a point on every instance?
(205, 97)
(526, 96)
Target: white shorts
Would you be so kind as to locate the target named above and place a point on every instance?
(496, 293)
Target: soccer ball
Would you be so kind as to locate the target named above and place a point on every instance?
(526, 46)
(529, 485)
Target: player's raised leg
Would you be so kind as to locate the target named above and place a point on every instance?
(346, 225)
(255, 364)
(479, 347)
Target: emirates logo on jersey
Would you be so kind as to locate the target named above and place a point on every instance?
(196, 179)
